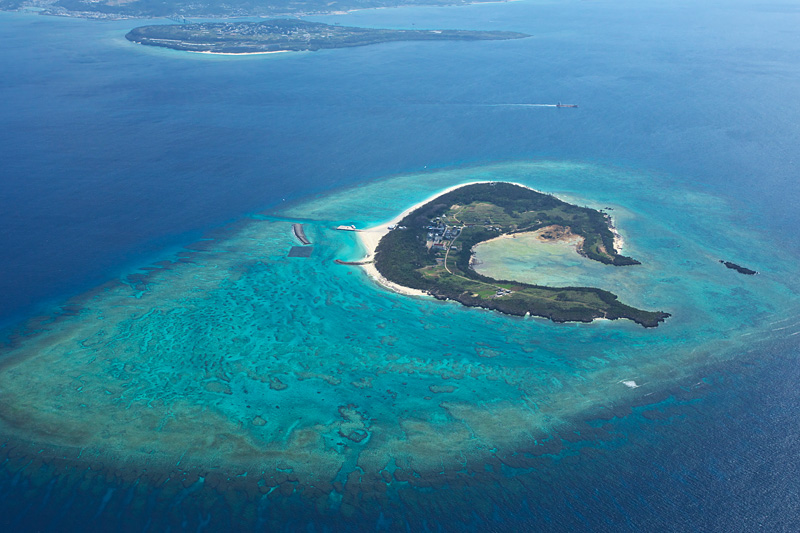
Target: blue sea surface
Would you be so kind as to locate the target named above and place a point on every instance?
(115, 157)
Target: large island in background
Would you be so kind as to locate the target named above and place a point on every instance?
(209, 9)
(431, 250)
(280, 35)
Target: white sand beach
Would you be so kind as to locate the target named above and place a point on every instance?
(619, 242)
(238, 53)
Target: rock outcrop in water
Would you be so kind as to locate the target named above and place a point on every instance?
(739, 268)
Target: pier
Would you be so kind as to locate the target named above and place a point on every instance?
(300, 233)
(355, 263)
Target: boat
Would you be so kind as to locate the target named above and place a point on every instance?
(566, 105)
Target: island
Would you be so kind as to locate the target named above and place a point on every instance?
(431, 250)
(285, 35)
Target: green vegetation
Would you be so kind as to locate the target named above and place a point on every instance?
(432, 247)
(288, 34)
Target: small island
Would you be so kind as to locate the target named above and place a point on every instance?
(431, 250)
(284, 35)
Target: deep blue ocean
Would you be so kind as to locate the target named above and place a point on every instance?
(114, 156)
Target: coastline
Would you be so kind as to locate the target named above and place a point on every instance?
(619, 242)
(370, 237)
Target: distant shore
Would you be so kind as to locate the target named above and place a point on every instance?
(305, 11)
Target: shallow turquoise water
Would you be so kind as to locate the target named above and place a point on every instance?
(241, 376)
(309, 364)
(237, 368)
